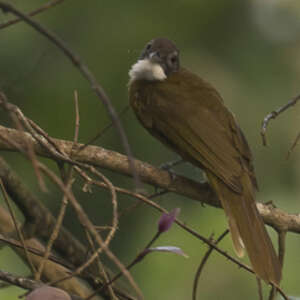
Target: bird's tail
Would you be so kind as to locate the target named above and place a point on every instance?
(247, 228)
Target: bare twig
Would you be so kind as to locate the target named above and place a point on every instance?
(136, 260)
(274, 114)
(19, 233)
(105, 129)
(101, 268)
(44, 7)
(18, 118)
(203, 262)
(281, 292)
(111, 188)
(137, 203)
(77, 117)
(272, 293)
(259, 288)
(16, 244)
(56, 229)
(281, 246)
(295, 143)
(15, 114)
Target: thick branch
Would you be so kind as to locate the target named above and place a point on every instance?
(117, 162)
(114, 161)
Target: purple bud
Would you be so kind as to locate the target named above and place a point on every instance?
(48, 293)
(166, 220)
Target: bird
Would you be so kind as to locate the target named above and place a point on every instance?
(188, 115)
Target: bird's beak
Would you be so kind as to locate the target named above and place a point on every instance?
(154, 57)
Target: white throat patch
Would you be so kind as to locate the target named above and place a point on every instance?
(145, 69)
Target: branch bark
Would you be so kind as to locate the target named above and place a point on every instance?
(114, 161)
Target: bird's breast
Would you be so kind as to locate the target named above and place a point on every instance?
(140, 101)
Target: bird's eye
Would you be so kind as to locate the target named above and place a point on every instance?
(148, 46)
(173, 59)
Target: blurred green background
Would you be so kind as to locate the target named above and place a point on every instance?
(249, 50)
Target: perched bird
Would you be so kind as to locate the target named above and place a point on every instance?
(188, 115)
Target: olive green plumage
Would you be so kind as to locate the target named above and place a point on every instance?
(188, 115)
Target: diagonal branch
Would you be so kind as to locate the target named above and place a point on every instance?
(117, 162)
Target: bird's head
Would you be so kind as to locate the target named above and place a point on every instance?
(158, 60)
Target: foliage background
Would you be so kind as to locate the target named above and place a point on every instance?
(248, 49)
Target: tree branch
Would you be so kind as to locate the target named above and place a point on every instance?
(117, 162)
(44, 7)
(273, 115)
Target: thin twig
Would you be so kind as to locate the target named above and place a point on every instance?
(77, 117)
(138, 203)
(19, 233)
(103, 131)
(259, 288)
(202, 264)
(113, 199)
(281, 292)
(295, 143)
(87, 74)
(15, 113)
(272, 293)
(33, 13)
(281, 246)
(101, 268)
(137, 259)
(16, 244)
(274, 114)
(281, 253)
(56, 229)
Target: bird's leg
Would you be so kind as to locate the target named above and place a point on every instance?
(170, 164)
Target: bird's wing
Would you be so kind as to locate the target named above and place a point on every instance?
(195, 121)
